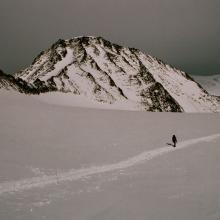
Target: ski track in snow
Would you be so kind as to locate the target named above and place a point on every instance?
(71, 175)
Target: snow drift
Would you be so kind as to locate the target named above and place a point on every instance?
(60, 162)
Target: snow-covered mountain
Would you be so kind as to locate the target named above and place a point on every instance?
(104, 72)
(210, 83)
(8, 82)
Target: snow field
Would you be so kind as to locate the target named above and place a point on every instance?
(63, 162)
(71, 175)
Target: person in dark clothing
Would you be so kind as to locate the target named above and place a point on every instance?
(174, 140)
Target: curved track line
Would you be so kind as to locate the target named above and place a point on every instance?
(37, 182)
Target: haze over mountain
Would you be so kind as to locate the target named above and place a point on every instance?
(210, 83)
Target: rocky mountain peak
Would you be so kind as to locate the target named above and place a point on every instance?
(108, 73)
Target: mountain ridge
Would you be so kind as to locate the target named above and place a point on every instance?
(106, 72)
(10, 83)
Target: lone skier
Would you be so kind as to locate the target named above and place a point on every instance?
(174, 140)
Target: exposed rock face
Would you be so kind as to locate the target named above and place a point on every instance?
(106, 72)
(9, 82)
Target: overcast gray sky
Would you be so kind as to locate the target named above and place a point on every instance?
(184, 33)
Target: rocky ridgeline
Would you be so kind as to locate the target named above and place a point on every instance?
(106, 72)
(9, 82)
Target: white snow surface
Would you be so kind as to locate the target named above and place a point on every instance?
(69, 99)
(65, 162)
(60, 65)
(45, 180)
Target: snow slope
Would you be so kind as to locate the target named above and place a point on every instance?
(108, 73)
(210, 83)
(38, 182)
(60, 162)
(69, 99)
